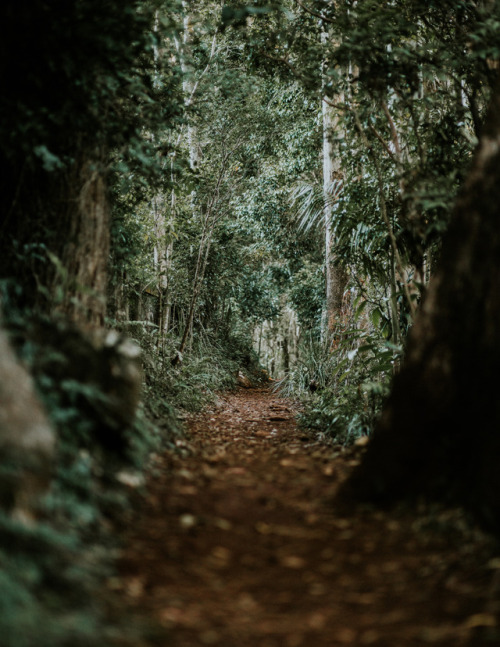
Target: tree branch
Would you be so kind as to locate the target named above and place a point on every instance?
(339, 106)
(284, 61)
(207, 67)
(314, 13)
(382, 141)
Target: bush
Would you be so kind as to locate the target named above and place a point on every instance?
(343, 389)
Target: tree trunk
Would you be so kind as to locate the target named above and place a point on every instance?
(118, 303)
(163, 256)
(201, 265)
(86, 252)
(336, 277)
(189, 86)
(438, 435)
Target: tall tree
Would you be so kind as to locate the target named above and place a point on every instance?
(76, 96)
(438, 435)
(335, 273)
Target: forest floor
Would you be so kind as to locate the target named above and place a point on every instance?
(237, 542)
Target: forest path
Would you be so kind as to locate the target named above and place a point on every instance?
(238, 544)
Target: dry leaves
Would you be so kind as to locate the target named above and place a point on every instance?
(241, 544)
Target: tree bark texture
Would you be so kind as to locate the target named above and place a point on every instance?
(439, 432)
(163, 255)
(86, 250)
(336, 277)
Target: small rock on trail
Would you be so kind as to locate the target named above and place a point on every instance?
(239, 545)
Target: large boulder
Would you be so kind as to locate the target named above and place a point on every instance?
(27, 440)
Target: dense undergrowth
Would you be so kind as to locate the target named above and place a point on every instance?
(343, 383)
(52, 569)
(211, 365)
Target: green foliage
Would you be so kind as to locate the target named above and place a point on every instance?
(94, 61)
(52, 570)
(88, 99)
(343, 383)
(349, 391)
(47, 579)
(117, 87)
(209, 367)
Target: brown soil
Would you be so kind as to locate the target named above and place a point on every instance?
(238, 543)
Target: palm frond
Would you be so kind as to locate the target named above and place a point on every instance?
(311, 202)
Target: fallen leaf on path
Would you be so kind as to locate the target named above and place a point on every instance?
(317, 620)
(220, 557)
(247, 602)
(287, 462)
(364, 599)
(293, 561)
(480, 620)
(317, 588)
(209, 637)
(437, 634)
(398, 615)
(369, 637)
(393, 526)
(215, 458)
(263, 528)
(346, 636)
(171, 615)
(187, 521)
(135, 587)
(186, 474)
(222, 553)
(236, 470)
(187, 490)
(297, 532)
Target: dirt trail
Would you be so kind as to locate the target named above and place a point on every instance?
(238, 544)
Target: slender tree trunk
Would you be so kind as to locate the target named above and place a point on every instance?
(438, 435)
(190, 87)
(336, 276)
(209, 223)
(201, 265)
(163, 256)
(396, 330)
(120, 306)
